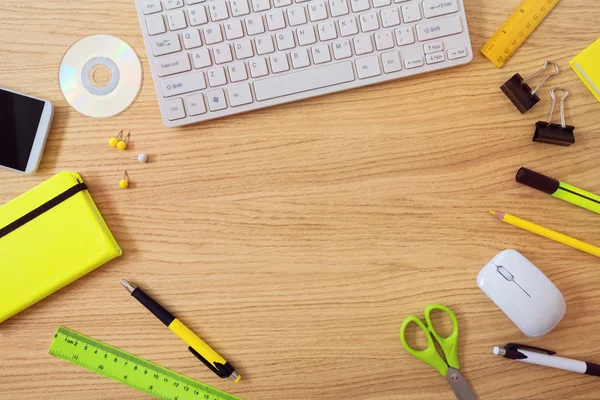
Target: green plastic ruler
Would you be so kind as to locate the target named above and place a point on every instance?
(130, 370)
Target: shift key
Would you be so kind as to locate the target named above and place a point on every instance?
(173, 64)
(439, 28)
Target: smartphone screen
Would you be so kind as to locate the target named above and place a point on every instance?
(19, 120)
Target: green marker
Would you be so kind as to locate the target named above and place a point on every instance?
(558, 189)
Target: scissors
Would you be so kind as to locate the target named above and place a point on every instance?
(449, 368)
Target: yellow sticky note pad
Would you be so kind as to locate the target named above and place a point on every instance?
(587, 66)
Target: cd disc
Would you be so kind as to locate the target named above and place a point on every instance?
(100, 76)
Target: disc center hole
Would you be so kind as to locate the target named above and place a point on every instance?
(100, 76)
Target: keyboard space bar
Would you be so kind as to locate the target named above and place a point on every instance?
(303, 81)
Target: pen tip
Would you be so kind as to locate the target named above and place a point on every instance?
(130, 288)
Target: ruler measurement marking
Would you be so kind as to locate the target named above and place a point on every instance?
(515, 30)
(128, 369)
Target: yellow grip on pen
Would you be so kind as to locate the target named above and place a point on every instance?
(196, 343)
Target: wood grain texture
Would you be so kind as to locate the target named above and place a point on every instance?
(296, 239)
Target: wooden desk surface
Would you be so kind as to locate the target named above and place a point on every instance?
(296, 239)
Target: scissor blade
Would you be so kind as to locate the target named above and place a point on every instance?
(459, 385)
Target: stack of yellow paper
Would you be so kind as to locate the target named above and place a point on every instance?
(587, 66)
(49, 237)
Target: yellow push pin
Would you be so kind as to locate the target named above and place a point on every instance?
(113, 142)
(124, 183)
(122, 145)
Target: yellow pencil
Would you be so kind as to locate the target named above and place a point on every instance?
(547, 233)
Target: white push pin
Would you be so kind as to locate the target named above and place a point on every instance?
(141, 158)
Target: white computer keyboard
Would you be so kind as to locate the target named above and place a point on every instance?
(213, 58)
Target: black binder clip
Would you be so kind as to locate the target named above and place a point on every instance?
(547, 132)
(519, 92)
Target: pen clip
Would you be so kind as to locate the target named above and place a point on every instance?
(219, 373)
(517, 346)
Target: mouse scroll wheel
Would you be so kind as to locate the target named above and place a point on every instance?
(504, 272)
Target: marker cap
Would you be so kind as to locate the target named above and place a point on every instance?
(537, 181)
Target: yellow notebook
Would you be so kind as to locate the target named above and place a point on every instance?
(49, 237)
(587, 66)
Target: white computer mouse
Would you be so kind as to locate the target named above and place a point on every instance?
(523, 292)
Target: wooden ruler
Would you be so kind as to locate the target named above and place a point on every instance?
(513, 32)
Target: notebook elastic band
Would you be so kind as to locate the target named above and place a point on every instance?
(42, 209)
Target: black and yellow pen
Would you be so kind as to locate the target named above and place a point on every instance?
(197, 346)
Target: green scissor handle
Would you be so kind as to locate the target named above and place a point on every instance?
(430, 355)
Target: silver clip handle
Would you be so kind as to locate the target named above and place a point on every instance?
(562, 105)
(556, 71)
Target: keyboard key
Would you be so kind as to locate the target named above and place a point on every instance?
(233, 29)
(296, 16)
(255, 25)
(362, 45)
(306, 35)
(183, 84)
(197, 15)
(381, 3)
(176, 20)
(258, 67)
(327, 31)
(191, 39)
(172, 4)
(216, 76)
(165, 44)
(261, 5)
(348, 26)
(175, 109)
(300, 58)
(190, 2)
(213, 34)
(341, 49)
(439, 28)
(285, 40)
(237, 72)
(321, 54)
(384, 40)
(435, 8)
(435, 58)
(433, 47)
(239, 7)
(239, 94)
(369, 22)
(459, 52)
(359, 5)
(404, 35)
(201, 58)
(173, 64)
(411, 12)
(317, 11)
(243, 49)
(390, 17)
(222, 53)
(195, 104)
(218, 11)
(279, 63)
(391, 62)
(264, 44)
(282, 3)
(151, 7)
(368, 67)
(305, 80)
(413, 62)
(275, 20)
(216, 100)
(338, 7)
(155, 25)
